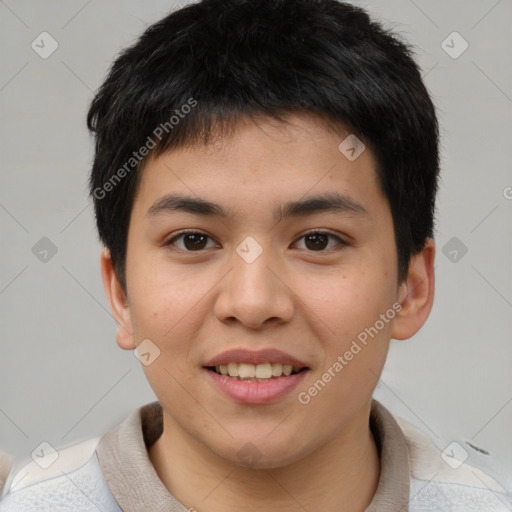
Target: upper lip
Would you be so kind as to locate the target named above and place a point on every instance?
(241, 355)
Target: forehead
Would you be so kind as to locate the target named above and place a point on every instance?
(264, 162)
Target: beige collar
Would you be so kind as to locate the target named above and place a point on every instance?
(123, 457)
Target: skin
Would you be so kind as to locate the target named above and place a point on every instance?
(308, 302)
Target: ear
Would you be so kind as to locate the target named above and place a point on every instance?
(118, 302)
(416, 293)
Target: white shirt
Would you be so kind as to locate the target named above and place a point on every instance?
(113, 473)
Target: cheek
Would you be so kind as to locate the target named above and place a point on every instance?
(345, 303)
(355, 346)
(347, 312)
(166, 299)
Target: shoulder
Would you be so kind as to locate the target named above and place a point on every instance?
(455, 476)
(68, 479)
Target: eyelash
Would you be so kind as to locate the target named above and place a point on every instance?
(181, 234)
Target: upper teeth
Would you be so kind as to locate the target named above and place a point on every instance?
(260, 371)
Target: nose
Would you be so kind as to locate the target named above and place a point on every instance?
(255, 293)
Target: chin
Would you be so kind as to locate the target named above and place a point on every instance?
(261, 454)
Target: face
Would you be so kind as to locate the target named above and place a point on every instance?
(273, 284)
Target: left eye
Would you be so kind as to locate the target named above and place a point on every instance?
(318, 239)
(194, 241)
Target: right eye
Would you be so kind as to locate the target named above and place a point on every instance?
(193, 241)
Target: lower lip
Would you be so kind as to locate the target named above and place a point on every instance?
(256, 393)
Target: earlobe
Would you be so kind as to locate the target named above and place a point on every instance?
(416, 293)
(118, 302)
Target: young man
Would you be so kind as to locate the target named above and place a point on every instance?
(264, 184)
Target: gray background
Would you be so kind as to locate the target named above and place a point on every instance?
(62, 377)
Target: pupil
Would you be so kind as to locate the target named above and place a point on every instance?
(316, 236)
(197, 240)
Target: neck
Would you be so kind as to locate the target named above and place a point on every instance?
(341, 476)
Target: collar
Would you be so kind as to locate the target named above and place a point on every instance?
(123, 456)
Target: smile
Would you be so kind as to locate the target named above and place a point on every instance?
(254, 390)
(255, 372)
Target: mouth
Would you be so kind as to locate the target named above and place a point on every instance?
(262, 372)
(255, 377)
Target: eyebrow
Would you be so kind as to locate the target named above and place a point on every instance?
(334, 202)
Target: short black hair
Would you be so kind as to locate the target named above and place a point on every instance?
(214, 62)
